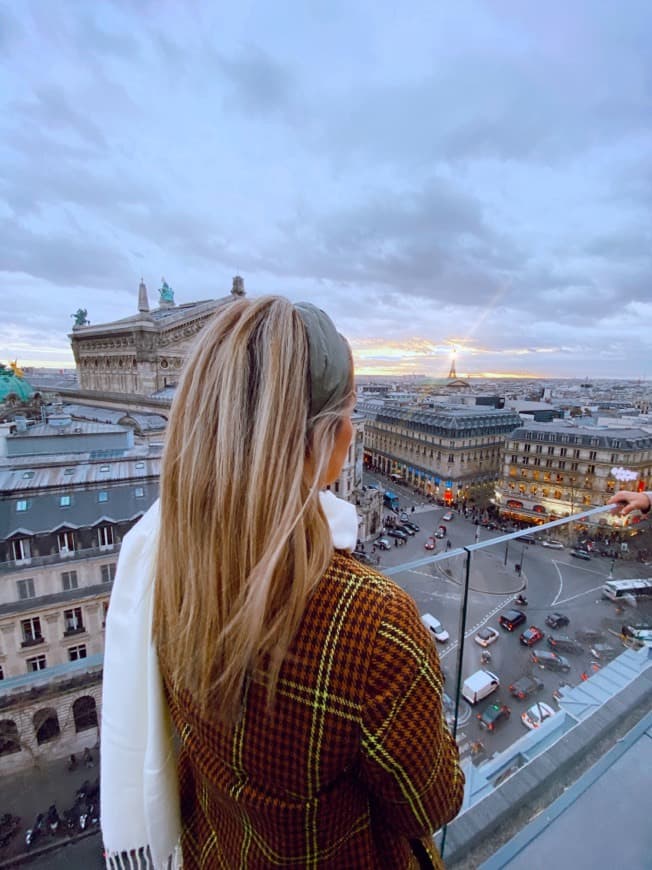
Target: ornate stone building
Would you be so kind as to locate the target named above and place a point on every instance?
(142, 354)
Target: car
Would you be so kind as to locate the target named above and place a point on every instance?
(398, 533)
(486, 636)
(365, 558)
(581, 554)
(525, 686)
(565, 644)
(430, 544)
(492, 715)
(557, 620)
(402, 516)
(383, 543)
(411, 525)
(528, 539)
(554, 545)
(441, 532)
(511, 619)
(531, 636)
(449, 710)
(549, 660)
(405, 527)
(589, 635)
(435, 628)
(604, 652)
(448, 517)
(536, 714)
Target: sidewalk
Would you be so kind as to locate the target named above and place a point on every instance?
(31, 792)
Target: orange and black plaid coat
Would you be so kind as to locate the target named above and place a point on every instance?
(355, 759)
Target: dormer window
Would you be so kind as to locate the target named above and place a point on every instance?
(65, 500)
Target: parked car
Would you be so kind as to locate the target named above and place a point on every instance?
(536, 714)
(604, 652)
(397, 533)
(435, 627)
(554, 545)
(414, 526)
(402, 516)
(405, 527)
(525, 686)
(581, 554)
(529, 539)
(511, 619)
(383, 543)
(365, 558)
(549, 660)
(486, 636)
(492, 715)
(557, 620)
(531, 636)
(565, 645)
(448, 517)
(430, 544)
(589, 635)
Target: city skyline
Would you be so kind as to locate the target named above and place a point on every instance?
(478, 176)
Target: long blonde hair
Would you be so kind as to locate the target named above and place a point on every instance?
(243, 539)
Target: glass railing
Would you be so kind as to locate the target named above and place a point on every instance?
(523, 619)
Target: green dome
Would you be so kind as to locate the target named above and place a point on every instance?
(11, 385)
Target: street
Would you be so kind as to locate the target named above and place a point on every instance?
(552, 581)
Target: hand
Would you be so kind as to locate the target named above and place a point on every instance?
(627, 501)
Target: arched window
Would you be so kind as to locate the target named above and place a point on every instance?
(46, 724)
(84, 713)
(9, 739)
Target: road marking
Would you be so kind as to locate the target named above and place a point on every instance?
(476, 627)
(556, 599)
(579, 595)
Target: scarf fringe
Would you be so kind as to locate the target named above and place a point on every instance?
(141, 859)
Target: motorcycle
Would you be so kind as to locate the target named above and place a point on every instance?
(32, 834)
(485, 657)
(53, 819)
(73, 763)
(521, 600)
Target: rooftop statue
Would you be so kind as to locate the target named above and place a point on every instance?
(16, 369)
(80, 318)
(167, 293)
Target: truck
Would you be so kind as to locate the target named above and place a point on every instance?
(479, 685)
(391, 500)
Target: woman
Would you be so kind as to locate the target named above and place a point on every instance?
(303, 691)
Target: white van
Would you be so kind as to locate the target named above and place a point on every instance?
(479, 685)
(435, 628)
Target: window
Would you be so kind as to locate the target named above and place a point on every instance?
(2, 676)
(66, 543)
(526, 448)
(21, 550)
(105, 537)
(25, 588)
(69, 471)
(574, 466)
(551, 451)
(105, 610)
(576, 454)
(562, 464)
(31, 630)
(538, 448)
(69, 580)
(537, 460)
(73, 621)
(103, 496)
(140, 465)
(590, 469)
(65, 501)
(593, 454)
(140, 492)
(77, 652)
(22, 505)
(28, 475)
(38, 663)
(548, 463)
(563, 451)
(451, 458)
(104, 468)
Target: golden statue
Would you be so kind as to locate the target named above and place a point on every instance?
(16, 369)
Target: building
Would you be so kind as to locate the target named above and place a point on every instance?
(452, 453)
(552, 470)
(69, 492)
(142, 354)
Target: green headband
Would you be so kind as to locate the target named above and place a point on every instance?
(330, 358)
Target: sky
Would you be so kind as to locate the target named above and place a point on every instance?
(473, 176)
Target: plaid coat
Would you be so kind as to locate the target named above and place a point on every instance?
(355, 759)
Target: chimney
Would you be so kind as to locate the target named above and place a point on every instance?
(143, 304)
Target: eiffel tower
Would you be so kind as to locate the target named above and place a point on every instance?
(452, 375)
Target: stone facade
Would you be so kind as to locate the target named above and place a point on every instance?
(144, 353)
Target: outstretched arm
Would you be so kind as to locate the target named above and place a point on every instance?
(627, 501)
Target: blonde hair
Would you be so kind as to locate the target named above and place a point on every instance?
(243, 538)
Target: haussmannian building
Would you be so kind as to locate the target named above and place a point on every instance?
(552, 470)
(453, 453)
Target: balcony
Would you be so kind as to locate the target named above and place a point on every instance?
(56, 558)
(32, 641)
(594, 710)
(72, 631)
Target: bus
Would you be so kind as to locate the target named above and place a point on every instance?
(615, 590)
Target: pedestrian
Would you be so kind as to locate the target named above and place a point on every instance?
(412, 510)
(396, 542)
(255, 674)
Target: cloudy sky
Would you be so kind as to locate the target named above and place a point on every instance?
(469, 174)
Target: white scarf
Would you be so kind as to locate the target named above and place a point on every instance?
(141, 819)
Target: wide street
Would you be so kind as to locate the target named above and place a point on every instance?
(552, 580)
